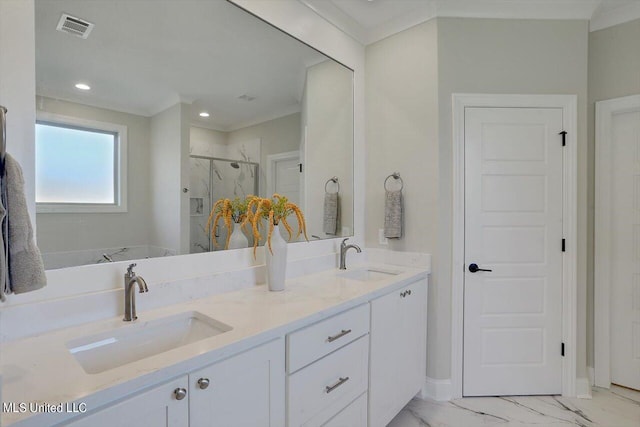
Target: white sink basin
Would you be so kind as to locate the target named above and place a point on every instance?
(108, 350)
(369, 274)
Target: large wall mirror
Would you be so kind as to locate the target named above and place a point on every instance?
(148, 112)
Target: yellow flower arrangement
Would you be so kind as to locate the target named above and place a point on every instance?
(275, 209)
(229, 211)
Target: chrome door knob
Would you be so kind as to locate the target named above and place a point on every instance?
(180, 393)
(203, 383)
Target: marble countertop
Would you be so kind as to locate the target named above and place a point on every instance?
(41, 369)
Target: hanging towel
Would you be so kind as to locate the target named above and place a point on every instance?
(26, 269)
(393, 214)
(331, 213)
(4, 233)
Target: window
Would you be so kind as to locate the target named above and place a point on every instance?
(80, 165)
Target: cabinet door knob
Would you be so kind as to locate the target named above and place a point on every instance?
(203, 383)
(180, 393)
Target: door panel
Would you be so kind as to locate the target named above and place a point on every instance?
(155, 407)
(287, 179)
(625, 250)
(246, 390)
(513, 226)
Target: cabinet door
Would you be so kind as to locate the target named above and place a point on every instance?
(155, 407)
(398, 351)
(246, 390)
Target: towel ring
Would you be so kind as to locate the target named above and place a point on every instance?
(335, 181)
(396, 176)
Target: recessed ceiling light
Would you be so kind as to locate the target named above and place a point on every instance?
(204, 114)
(83, 86)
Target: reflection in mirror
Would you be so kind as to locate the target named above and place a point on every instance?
(149, 112)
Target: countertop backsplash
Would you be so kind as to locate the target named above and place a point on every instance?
(37, 317)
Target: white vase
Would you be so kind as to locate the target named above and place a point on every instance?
(276, 261)
(238, 240)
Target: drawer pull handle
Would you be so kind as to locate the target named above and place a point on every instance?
(340, 335)
(330, 388)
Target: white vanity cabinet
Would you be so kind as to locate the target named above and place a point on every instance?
(398, 351)
(246, 390)
(156, 407)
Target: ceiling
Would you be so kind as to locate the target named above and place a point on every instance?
(369, 21)
(144, 56)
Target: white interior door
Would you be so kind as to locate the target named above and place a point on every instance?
(625, 249)
(285, 176)
(513, 227)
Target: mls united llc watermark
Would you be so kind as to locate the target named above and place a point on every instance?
(39, 407)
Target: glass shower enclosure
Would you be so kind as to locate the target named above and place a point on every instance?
(211, 179)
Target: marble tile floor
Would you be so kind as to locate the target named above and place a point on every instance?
(617, 407)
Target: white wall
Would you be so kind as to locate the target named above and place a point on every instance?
(17, 87)
(166, 179)
(78, 231)
(614, 71)
(276, 136)
(207, 142)
(328, 147)
(402, 136)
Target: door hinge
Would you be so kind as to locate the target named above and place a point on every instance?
(564, 244)
(564, 137)
(300, 166)
(562, 350)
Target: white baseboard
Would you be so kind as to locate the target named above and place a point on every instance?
(440, 390)
(583, 388)
(433, 389)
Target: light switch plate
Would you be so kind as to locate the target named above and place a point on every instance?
(381, 239)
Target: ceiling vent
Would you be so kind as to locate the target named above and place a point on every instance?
(76, 26)
(246, 97)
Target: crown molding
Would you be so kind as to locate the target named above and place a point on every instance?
(589, 10)
(619, 15)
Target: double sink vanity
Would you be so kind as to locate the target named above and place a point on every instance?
(336, 348)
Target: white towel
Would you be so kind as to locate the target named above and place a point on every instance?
(331, 213)
(26, 269)
(393, 214)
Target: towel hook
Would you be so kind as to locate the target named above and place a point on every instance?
(335, 181)
(395, 176)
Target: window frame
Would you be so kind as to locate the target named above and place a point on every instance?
(119, 163)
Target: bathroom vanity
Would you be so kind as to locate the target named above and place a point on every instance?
(334, 349)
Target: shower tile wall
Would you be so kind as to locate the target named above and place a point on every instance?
(199, 190)
(226, 182)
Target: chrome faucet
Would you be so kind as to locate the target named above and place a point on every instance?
(343, 253)
(130, 279)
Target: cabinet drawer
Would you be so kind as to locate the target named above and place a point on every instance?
(332, 382)
(354, 415)
(311, 343)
